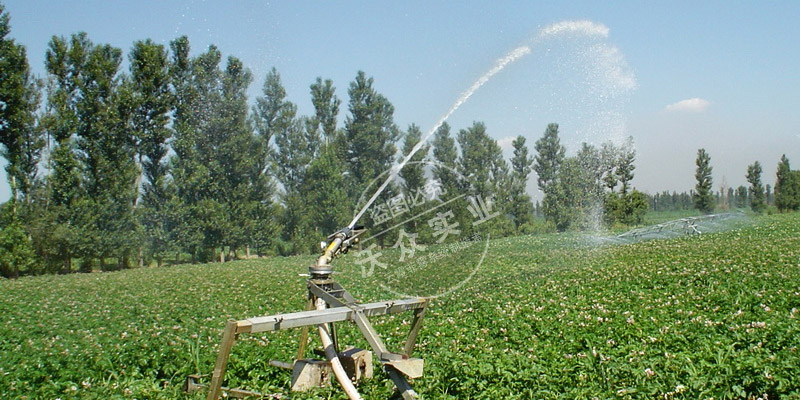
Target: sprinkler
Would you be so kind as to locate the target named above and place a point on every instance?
(328, 303)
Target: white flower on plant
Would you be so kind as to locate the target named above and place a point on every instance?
(649, 372)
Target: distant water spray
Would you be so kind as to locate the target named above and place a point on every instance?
(581, 28)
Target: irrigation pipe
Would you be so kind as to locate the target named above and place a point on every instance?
(333, 358)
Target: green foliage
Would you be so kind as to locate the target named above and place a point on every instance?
(325, 189)
(16, 251)
(520, 207)
(787, 187)
(151, 100)
(581, 193)
(21, 138)
(742, 197)
(481, 163)
(546, 316)
(413, 177)
(413, 174)
(326, 106)
(370, 134)
(549, 156)
(703, 196)
(629, 208)
(624, 167)
(757, 202)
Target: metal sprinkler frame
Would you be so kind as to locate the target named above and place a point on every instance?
(328, 303)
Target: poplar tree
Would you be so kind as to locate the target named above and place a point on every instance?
(550, 154)
(413, 176)
(447, 183)
(326, 107)
(482, 165)
(92, 183)
(445, 155)
(21, 137)
(370, 136)
(151, 100)
(787, 187)
(481, 162)
(199, 216)
(520, 206)
(326, 194)
(703, 196)
(626, 155)
(753, 176)
(22, 144)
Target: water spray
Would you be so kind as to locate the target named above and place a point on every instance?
(328, 302)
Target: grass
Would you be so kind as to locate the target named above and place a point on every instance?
(548, 316)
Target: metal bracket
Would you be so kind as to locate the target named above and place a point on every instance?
(343, 307)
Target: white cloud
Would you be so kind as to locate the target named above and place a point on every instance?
(689, 105)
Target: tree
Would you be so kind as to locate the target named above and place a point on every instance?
(21, 137)
(327, 193)
(92, 184)
(326, 107)
(482, 163)
(273, 114)
(446, 177)
(240, 156)
(16, 253)
(200, 135)
(561, 203)
(295, 148)
(107, 150)
(768, 195)
(756, 188)
(704, 197)
(550, 154)
(486, 173)
(151, 101)
(624, 166)
(742, 197)
(609, 160)
(590, 184)
(787, 188)
(297, 142)
(445, 155)
(371, 134)
(370, 137)
(413, 174)
(520, 206)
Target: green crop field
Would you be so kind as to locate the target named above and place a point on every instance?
(551, 316)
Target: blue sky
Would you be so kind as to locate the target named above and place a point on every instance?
(723, 75)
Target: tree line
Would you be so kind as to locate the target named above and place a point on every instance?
(784, 197)
(168, 161)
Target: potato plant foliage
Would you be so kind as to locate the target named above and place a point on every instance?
(550, 316)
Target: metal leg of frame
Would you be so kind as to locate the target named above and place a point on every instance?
(228, 338)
